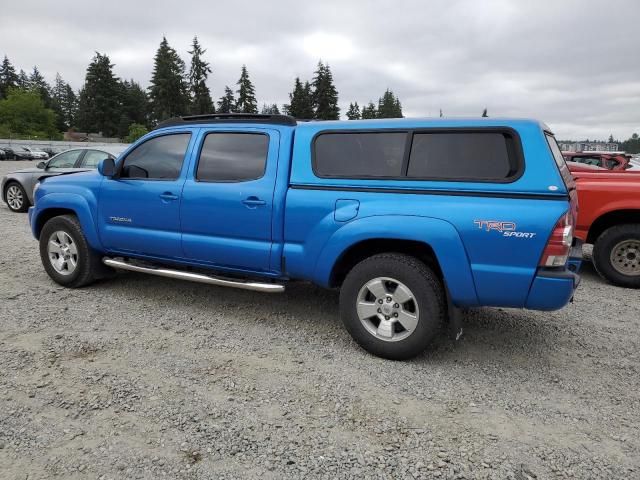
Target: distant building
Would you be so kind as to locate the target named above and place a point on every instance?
(568, 146)
(73, 136)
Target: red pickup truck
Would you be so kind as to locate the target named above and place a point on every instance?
(609, 218)
(608, 161)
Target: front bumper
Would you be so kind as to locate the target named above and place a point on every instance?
(30, 214)
(553, 289)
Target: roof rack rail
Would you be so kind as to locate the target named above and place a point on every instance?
(229, 118)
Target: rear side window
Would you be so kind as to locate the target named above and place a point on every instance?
(359, 154)
(462, 156)
(233, 157)
(555, 150)
(93, 157)
(159, 158)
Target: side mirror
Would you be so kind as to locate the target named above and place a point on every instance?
(41, 165)
(107, 167)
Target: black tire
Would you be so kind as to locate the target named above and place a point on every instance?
(428, 293)
(89, 262)
(603, 248)
(25, 200)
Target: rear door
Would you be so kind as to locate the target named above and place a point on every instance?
(227, 200)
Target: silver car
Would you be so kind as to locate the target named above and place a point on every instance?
(17, 187)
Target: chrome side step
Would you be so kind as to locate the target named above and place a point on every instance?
(194, 277)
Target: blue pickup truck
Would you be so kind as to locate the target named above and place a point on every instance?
(413, 219)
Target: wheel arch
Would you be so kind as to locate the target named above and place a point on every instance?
(54, 204)
(47, 215)
(434, 241)
(610, 219)
(373, 246)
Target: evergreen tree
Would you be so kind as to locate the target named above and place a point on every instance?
(369, 111)
(389, 106)
(247, 102)
(8, 78)
(134, 103)
(270, 109)
(23, 80)
(38, 84)
(168, 92)
(70, 106)
(354, 111)
(484, 113)
(610, 139)
(99, 104)
(301, 101)
(227, 102)
(200, 95)
(58, 92)
(325, 95)
(632, 145)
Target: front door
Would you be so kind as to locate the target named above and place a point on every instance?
(227, 199)
(139, 209)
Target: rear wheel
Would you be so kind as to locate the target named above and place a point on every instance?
(16, 197)
(616, 255)
(392, 305)
(66, 255)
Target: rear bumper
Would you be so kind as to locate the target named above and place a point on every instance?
(553, 289)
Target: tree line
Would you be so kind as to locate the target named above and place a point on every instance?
(123, 108)
(29, 106)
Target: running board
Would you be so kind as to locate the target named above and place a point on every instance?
(194, 277)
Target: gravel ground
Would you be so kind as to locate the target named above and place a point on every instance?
(145, 377)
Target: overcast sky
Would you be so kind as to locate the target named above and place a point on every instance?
(571, 63)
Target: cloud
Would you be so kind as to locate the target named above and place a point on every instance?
(571, 63)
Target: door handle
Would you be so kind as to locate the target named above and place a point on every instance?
(168, 196)
(253, 202)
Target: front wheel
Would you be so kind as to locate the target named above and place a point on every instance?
(616, 255)
(66, 255)
(16, 198)
(392, 305)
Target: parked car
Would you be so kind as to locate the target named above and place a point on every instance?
(3, 154)
(27, 153)
(9, 153)
(411, 218)
(609, 161)
(582, 167)
(17, 187)
(609, 218)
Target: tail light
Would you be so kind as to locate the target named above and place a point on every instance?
(556, 252)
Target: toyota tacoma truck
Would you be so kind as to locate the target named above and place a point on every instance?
(412, 219)
(609, 218)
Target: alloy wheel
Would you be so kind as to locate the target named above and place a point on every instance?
(62, 252)
(387, 309)
(15, 198)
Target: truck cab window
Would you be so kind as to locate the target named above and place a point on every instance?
(232, 157)
(159, 158)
